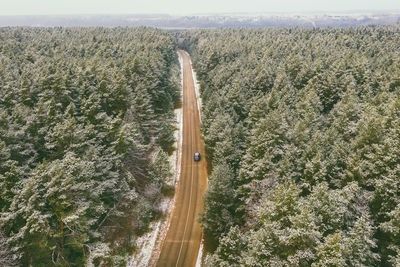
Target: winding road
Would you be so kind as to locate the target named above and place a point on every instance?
(182, 241)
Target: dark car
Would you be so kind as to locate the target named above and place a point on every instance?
(197, 156)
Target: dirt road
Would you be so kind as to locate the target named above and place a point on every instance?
(182, 241)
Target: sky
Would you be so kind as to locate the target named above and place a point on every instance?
(186, 7)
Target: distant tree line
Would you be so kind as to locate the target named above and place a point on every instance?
(302, 129)
(86, 125)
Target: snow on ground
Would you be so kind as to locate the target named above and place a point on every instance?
(181, 64)
(200, 255)
(196, 89)
(176, 157)
(149, 244)
(145, 245)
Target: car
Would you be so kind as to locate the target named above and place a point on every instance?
(197, 156)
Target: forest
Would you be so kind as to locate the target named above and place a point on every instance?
(302, 132)
(86, 126)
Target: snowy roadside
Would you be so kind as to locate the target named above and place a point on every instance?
(196, 89)
(149, 244)
(199, 106)
(200, 255)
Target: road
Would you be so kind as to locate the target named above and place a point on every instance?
(182, 241)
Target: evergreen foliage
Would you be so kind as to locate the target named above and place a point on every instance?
(86, 119)
(301, 129)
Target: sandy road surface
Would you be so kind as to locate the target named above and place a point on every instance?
(182, 241)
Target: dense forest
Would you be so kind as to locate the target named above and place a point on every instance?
(86, 125)
(302, 130)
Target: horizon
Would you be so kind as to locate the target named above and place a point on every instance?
(207, 20)
(190, 8)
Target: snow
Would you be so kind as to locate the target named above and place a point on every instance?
(178, 134)
(176, 157)
(196, 89)
(200, 255)
(149, 244)
(145, 245)
(181, 64)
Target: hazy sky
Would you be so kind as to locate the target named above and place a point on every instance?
(35, 7)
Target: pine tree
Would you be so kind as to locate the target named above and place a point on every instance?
(220, 202)
(331, 252)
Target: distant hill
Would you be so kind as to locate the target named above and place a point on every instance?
(208, 21)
